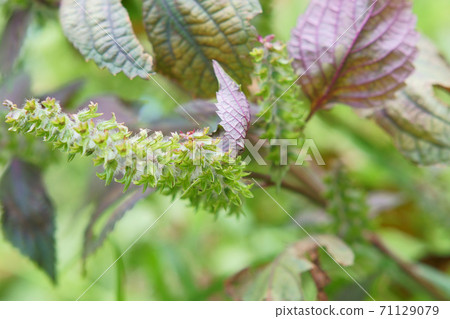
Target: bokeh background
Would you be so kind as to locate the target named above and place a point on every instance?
(189, 254)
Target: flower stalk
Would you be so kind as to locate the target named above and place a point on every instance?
(187, 163)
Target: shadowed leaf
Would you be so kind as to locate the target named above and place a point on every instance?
(281, 280)
(187, 35)
(356, 52)
(12, 39)
(101, 30)
(28, 215)
(233, 110)
(417, 119)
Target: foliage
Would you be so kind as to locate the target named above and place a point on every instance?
(187, 35)
(358, 57)
(417, 118)
(282, 278)
(28, 220)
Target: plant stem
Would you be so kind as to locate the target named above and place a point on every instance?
(319, 276)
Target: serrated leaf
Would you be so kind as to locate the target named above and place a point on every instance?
(281, 279)
(187, 35)
(417, 119)
(28, 215)
(440, 280)
(233, 110)
(101, 30)
(204, 111)
(356, 52)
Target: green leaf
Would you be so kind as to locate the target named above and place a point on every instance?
(28, 215)
(418, 120)
(101, 30)
(282, 278)
(187, 35)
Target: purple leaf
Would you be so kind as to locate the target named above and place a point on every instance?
(12, 39)
(233, 110)
(356, 52)
(28, 220)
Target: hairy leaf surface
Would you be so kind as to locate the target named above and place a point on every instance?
(187, 35)
(418, 120)
(356, 52)
(28, 215)
(101, 30)
(233, 110)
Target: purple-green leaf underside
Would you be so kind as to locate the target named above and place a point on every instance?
(101, 30)
(233, 110)
(28, 215)
(418, 120)
(356, 52)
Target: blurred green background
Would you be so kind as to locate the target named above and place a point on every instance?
(187, 255)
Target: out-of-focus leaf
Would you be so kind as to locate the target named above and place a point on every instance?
(101, 30)
(337, 249)
(356, 52)
(125, 203)
(281, 279)
(65, 93)
(187, 35)
(17, 88)
(380, 202)
(28, 215)
(417, 119)
(437, 278)
(12, 39)
(203, 111)
(233, 110)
